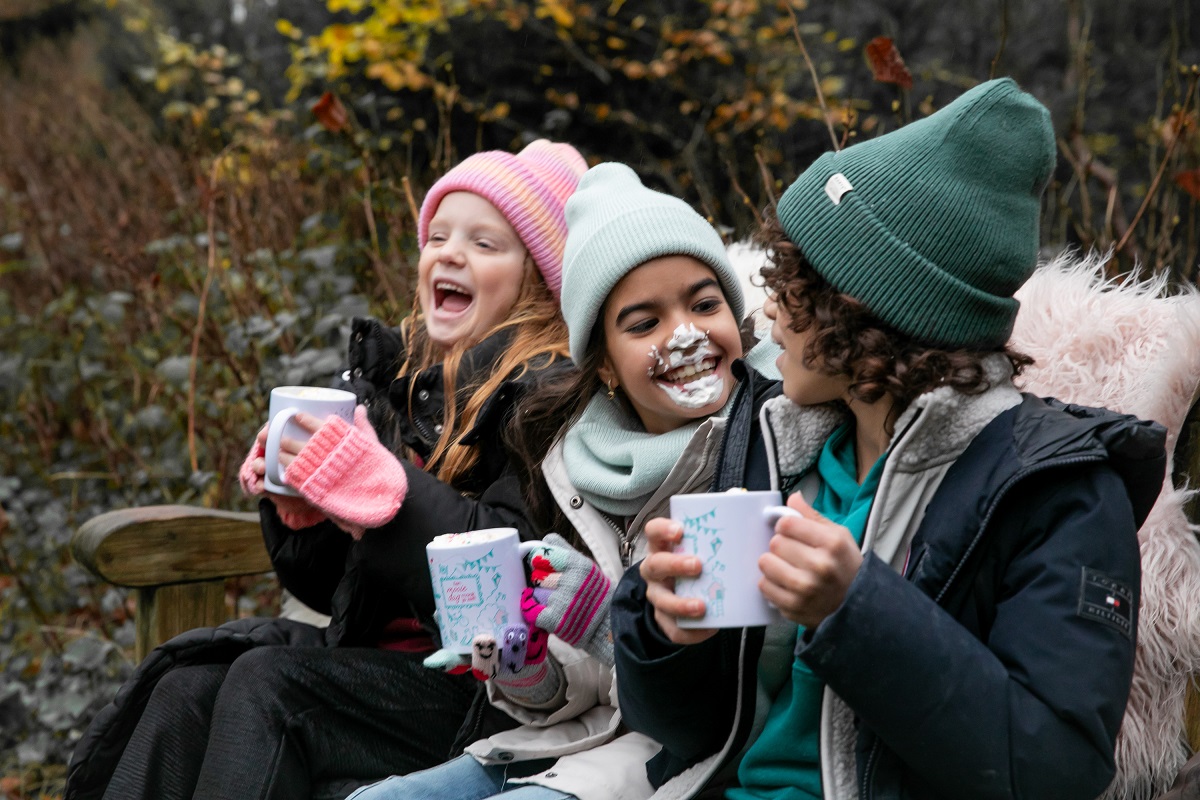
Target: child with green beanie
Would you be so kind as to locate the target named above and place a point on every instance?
(652, 306)
(960, 576)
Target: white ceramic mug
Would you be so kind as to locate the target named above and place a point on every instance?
(727, 531)
(478, 577)
(286, 403)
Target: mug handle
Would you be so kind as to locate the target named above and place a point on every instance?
(274, 435)
(525, 548)
(773, 514)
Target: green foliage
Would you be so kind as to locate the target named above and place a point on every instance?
(723, 101)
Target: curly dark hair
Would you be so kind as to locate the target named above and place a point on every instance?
(847, 339)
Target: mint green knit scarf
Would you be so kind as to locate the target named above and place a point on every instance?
(613, 462)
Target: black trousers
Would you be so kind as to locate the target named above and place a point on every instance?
(295, 723)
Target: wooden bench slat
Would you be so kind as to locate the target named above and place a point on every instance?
(162, 545)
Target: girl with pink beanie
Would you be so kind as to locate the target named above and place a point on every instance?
(273, 708)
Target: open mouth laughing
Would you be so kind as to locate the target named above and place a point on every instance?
(451, 297)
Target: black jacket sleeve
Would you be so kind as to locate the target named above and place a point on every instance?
(387, 574)
(310, 562)
(682, 696)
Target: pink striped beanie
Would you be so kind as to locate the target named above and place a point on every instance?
(530, 189)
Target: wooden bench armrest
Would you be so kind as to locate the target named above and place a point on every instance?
(163, 545)
(176, 559)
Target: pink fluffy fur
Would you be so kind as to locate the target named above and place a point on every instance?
(1126, 346)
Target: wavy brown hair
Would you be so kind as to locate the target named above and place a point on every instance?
(539, 335)
(539, 420)
(845, 338)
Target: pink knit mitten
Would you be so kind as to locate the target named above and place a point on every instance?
(569, 598)
(294, 512)
(345, 472)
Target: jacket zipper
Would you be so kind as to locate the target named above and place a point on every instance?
(625, 541)
(864, 792)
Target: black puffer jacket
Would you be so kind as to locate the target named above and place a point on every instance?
(996, 666)
(365, 585)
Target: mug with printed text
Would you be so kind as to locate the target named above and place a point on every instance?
(286, 403)
(478, 577)
(727, 531)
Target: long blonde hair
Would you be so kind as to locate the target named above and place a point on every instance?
(539, 333)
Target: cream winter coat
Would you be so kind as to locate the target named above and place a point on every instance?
(595, 761)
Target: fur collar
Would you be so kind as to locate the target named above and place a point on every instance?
(934, 429)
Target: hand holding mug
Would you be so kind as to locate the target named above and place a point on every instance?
(295, 512)
(660, 568)
(256, 463)
(810, 565)
(289, 447)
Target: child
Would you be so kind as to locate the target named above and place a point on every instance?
(961, 579)
(652, 305)
(353, 703)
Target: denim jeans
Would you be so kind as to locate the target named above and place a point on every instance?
(464, 778)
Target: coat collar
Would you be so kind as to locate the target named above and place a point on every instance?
(934, 429)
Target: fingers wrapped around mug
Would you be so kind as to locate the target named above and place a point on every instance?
(569, 597)
(346, 472)
(660, 569)
(810, 565)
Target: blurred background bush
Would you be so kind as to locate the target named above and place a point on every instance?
(196, 196)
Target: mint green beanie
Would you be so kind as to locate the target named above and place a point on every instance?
(933, 226)
(614, 224)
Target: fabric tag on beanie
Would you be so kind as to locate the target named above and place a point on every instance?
(1106, 600)
(837, 186)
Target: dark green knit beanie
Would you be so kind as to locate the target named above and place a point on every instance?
(933, 226)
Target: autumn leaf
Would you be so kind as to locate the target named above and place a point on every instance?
(886, 63)
(1189, 181)
(330, 112)
(1178, 126)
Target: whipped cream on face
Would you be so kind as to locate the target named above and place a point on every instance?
(696, 394)
(687, 347)
(656, 362)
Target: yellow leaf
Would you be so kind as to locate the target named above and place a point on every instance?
(554, 9)
(353, 6)
(635, 70)
(386, 72)
(287, 29)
